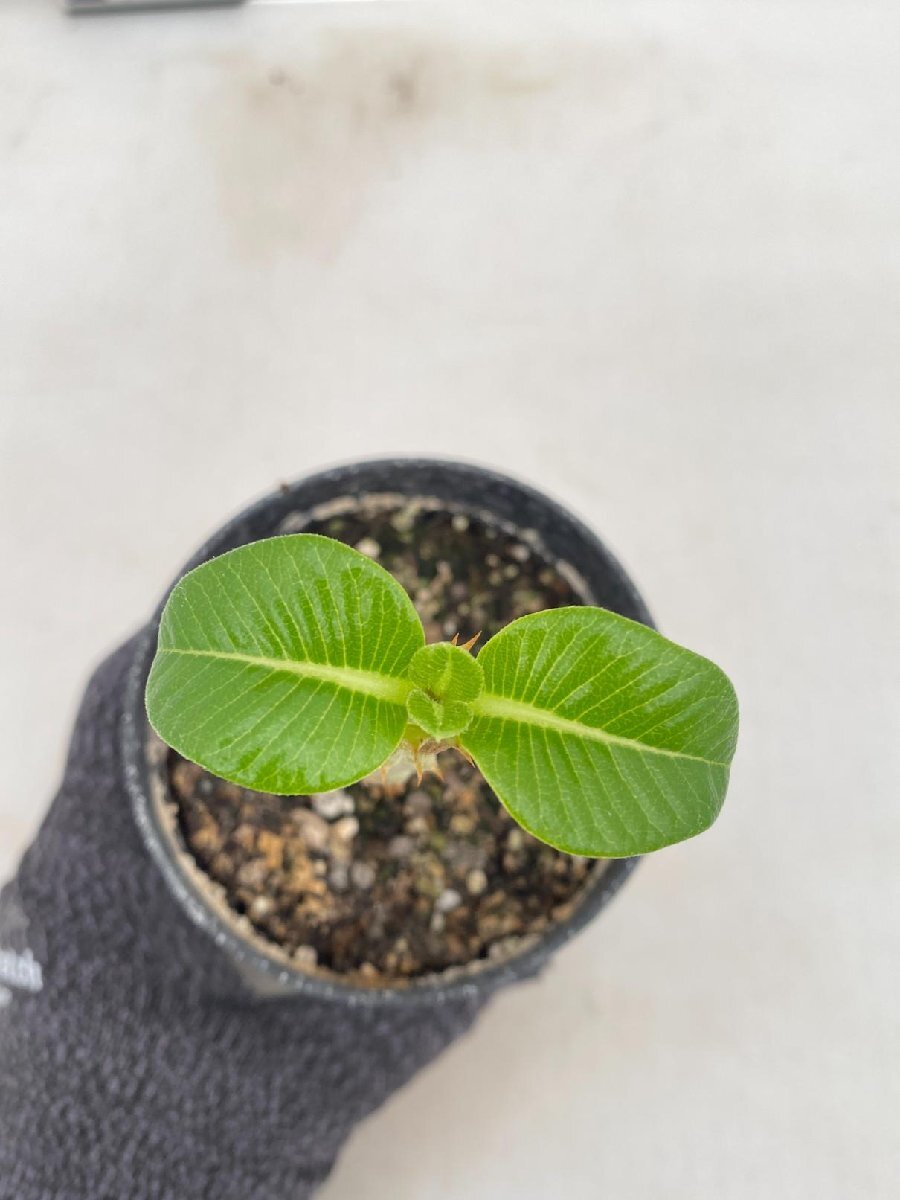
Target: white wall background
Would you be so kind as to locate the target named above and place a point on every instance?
(645, 255)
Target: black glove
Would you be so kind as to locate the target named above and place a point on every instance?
(135, 1064)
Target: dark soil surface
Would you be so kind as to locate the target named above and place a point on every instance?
(377, 886)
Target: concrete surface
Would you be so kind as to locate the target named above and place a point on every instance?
(644, 255)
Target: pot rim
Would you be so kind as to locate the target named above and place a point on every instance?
(415, 476)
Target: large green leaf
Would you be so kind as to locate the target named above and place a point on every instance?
(282, 665)
(600, 736)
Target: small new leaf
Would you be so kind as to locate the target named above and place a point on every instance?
(447, 672)
(440, 719)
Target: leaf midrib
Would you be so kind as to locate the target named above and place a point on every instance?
(489, 704)
(396, 690)
(367, 683)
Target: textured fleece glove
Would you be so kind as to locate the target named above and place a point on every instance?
(134, 1062)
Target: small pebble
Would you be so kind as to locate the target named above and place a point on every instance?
(448, 900)
(346, 828)
(306, 957)
(245, 836)
(460, 523)
(418, 804)
(426, 884)
(369, 547)
(400, 847)
(261, 907)
(476, 882)
(185, 776)
(462, 823)
(528, 601)
(362, 874)
(338, 877)
(253, 874)
(456, 949)
(333, 804)
(313, 828)
(490, 926)
(515, 839)
(465, 856)
(520, 552)
(206, 841)
(271, 847)
(417, 825)
(303, 877)
(497, 951)
(222, 866)
(405, 517)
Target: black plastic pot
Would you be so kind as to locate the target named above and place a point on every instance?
(563, 536)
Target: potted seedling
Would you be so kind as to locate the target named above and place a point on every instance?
(297, 666)
(396, 733)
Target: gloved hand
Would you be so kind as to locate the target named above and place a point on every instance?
(135, 1064)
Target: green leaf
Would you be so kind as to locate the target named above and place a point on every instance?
(446, 678)
(440, 719)
(446, 672)
(600, 736)
(282, 665)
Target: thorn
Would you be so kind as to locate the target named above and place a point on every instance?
(437, 771)
(418, 771)
(454, 641)
(471, 642)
